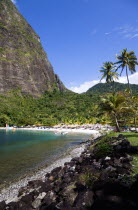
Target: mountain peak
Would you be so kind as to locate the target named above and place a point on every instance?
(23, 62)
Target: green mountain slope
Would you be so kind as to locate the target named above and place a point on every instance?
(49, 109)
(103, 88)
(23, 62)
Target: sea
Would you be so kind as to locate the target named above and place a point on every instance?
(24, 152)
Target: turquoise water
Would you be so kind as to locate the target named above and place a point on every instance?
(23, 152)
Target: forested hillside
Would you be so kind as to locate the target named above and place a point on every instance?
(103, 88)
(50, 109)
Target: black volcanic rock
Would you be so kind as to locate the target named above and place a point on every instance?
(90, 187)
(23, 62)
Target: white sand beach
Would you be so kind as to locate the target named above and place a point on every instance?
(64, 129)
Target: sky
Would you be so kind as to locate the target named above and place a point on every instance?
(80, 35)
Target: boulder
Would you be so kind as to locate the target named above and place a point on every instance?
(2, 205)
(37, 202)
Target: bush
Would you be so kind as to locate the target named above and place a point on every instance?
(103, 150)
(88, 178)
(4, 119)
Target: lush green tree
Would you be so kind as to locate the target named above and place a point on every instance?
(4, 119)
(127, 60)
(108, 72)
(133, 104)
(50, 109)
(113, 105)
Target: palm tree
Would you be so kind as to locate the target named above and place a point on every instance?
(133, 104)
(113, 105)
(108, 72)
(127, 60)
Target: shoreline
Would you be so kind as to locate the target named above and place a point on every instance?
(93, 180)
(10, 193)
(94, 129)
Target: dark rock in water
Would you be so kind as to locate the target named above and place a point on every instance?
(35, 183)
(56, 170)
(2, 205)
(23, 62)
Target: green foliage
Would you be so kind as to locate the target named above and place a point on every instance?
(116, 107)
(4, 119)
(133, 138)
(127, 60)
(104, 88)
(108, 72)
(50, 109)
(103, 150)
(2, 26)
(105, 139)
(88, 178)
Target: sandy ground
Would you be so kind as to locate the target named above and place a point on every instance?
(59, 130)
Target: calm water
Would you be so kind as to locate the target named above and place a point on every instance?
(22, 152)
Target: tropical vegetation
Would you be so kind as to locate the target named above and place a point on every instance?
(119, 107)
(127, 60)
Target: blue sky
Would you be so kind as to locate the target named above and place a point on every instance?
(79, 35)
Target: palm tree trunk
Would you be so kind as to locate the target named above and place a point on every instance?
(127, 78)
(114, 86)
(135, 124)
(117, 124)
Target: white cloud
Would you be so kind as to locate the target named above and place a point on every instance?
(135, 35)
(84, 87)
(133, 78)
(107, 33)
(13, 1)
(127, 31)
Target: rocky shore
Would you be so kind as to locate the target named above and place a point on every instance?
(11, 193)
(100, 178)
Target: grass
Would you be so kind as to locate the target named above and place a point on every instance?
(88, 178)
(133, 138)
